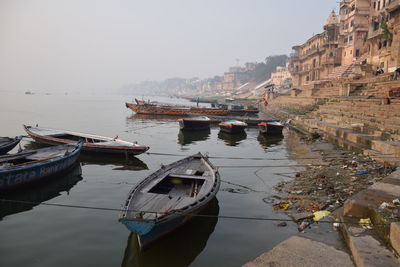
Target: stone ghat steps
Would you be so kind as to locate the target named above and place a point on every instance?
(367, 111)
(293, 101)
(381, 124)
(327, 92)
(378, 245)
(379, 89)
(387, 152)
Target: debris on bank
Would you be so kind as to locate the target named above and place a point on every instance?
(325, 186)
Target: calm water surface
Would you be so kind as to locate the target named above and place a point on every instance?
(55, 236)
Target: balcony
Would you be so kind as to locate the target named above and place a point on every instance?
(372, 34)
(361, 27)
(363, 11)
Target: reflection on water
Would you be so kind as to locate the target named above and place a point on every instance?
(179, 248)
(232, 139)
(121, 162)
(267, 141)
(188, 137)
(39, 192)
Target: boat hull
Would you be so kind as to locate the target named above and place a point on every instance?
(11, 178)
(269, 129)
(156, 110)
(232, 129)
(150, 231)
(7, 147)
(194, 125)
(89, 147)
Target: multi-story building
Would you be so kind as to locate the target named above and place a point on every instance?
(234, 78)
(281, 76)
(354, 20)
(315, 59)
(383, 40)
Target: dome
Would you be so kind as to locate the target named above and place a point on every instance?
(332, 19)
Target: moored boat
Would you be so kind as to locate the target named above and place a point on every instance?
(7, 143)
(92, 143)
(233, 126)
(170, 197)
(271, 128)
(195, 123)
(33, 165)
(173, 110)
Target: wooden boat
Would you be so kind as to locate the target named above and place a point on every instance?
(33, 165)
(233, 126)
(7, 143)
(92, 143)
(170, 197)
(198, 230)
(195, 123)
(271, 128)
(163, 109)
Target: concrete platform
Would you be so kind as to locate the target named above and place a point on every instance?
(366, 249)
(299, 251)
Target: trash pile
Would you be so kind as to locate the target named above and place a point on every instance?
(325, 187)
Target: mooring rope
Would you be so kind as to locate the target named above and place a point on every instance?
(189, 214)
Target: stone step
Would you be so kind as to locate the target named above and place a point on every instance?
(366, 249)
(395, 236)
(368, 201)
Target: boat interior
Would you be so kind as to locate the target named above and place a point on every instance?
(5, 140)
(24, 157)
(176, 188)
(77, 138)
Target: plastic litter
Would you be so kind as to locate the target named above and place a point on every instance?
(303, 225)
(366, 223)
(361, 172)
(336, 224)
(318, 215)
(384, 205)
(396, 202)
(282, 206)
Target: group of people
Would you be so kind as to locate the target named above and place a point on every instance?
(380, 71)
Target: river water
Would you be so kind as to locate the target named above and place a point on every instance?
(40, 235)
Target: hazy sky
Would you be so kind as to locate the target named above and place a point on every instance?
(58, 45)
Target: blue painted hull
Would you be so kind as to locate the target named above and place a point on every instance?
(11, 178)
(149, 231)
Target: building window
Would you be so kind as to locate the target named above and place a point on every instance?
(357, 52)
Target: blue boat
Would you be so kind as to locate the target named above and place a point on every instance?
(7, 143)
(169, 198)
(33, 165)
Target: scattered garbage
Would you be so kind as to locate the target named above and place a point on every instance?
(303, 226)
(366, 223)
(281, 224)
(281, 206)
(361, 172)
(318, 215)
(384, 205)
(336, 224)
(396, 202)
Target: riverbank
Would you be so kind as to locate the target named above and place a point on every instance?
(333, 181)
